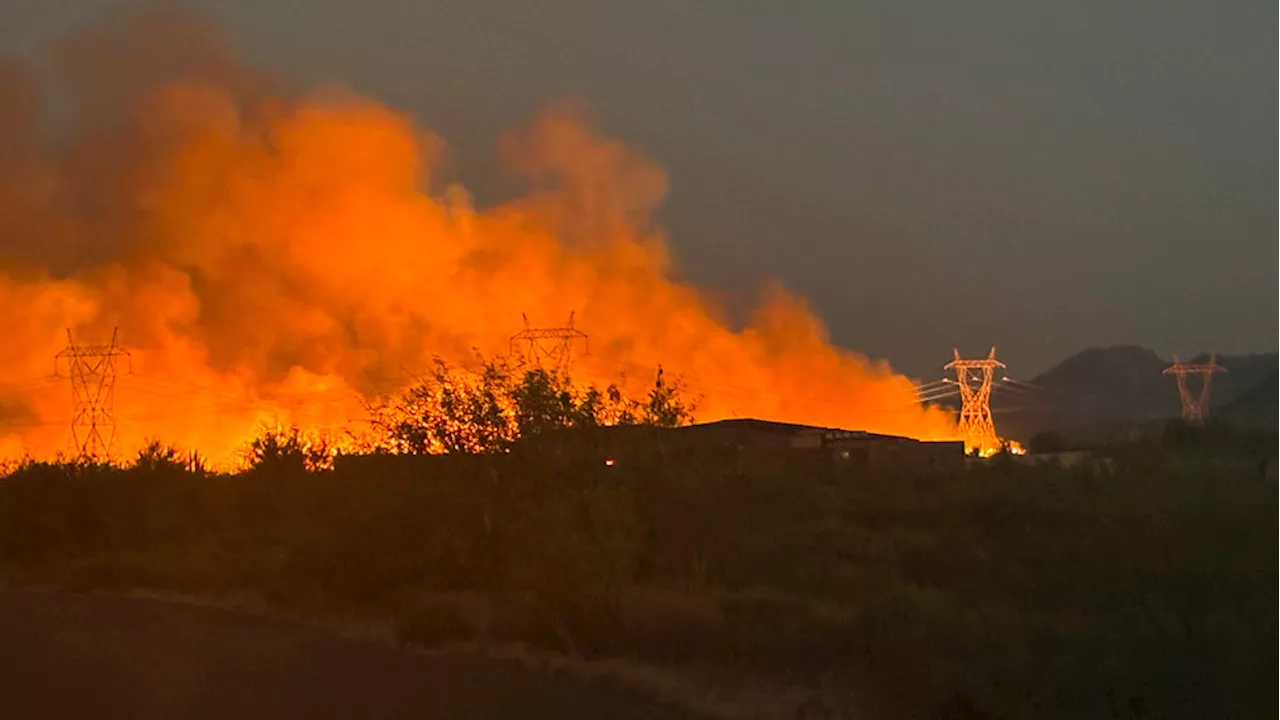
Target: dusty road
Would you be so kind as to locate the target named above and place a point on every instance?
(74, 656)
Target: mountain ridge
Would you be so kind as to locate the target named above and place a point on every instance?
(1110, 391)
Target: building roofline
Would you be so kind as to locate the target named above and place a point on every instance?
(781, 427)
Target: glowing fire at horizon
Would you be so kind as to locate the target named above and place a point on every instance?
(276, 258)
(1013, 447)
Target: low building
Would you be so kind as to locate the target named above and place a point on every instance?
(743, 445)
(844, 449)
(754, 433)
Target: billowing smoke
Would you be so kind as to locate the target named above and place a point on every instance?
(269, 255)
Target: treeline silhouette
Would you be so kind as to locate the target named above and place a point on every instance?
(997, 591)
(457, 411)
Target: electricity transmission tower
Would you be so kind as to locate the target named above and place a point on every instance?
(92, 369)
(974, 379)
(550, 348)
(1194, 407)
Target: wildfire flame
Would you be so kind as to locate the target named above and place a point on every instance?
(1013, 447)
(273, 257)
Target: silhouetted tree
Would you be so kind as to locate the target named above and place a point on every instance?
(281, 449)
(159, 457)
(666, 407)
(455, 411)
(544, 401)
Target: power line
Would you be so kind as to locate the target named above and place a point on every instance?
(974, 378)
(549, 346)
(92, 369)
(1194, 406)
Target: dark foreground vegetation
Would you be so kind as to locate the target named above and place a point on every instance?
(998, 591)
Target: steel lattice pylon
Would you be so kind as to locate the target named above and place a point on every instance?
(974, 378)
(1194, 407)
(92, 369)
(550, 348)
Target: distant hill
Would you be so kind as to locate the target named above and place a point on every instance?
(1259, 405)
(1103, 393)
(1244, 373)
(1119, 382)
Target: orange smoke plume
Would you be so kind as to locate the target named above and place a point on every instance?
(272, 257)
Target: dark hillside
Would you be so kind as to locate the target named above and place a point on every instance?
(1259, 405)
(1244, 373)
(1112, 393)
(1097, 394)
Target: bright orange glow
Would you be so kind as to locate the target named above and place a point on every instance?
(1013, 447)
(271, 258)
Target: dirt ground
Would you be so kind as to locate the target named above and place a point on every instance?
(80, 656)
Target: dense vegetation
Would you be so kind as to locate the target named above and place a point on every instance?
(998, 591)
(485, 411)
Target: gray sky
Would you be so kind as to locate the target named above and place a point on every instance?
(1042, 176)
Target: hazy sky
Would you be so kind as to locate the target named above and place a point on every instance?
(1042, 176)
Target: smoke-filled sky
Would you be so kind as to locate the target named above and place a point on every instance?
(1039, 176)
(274, 252)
